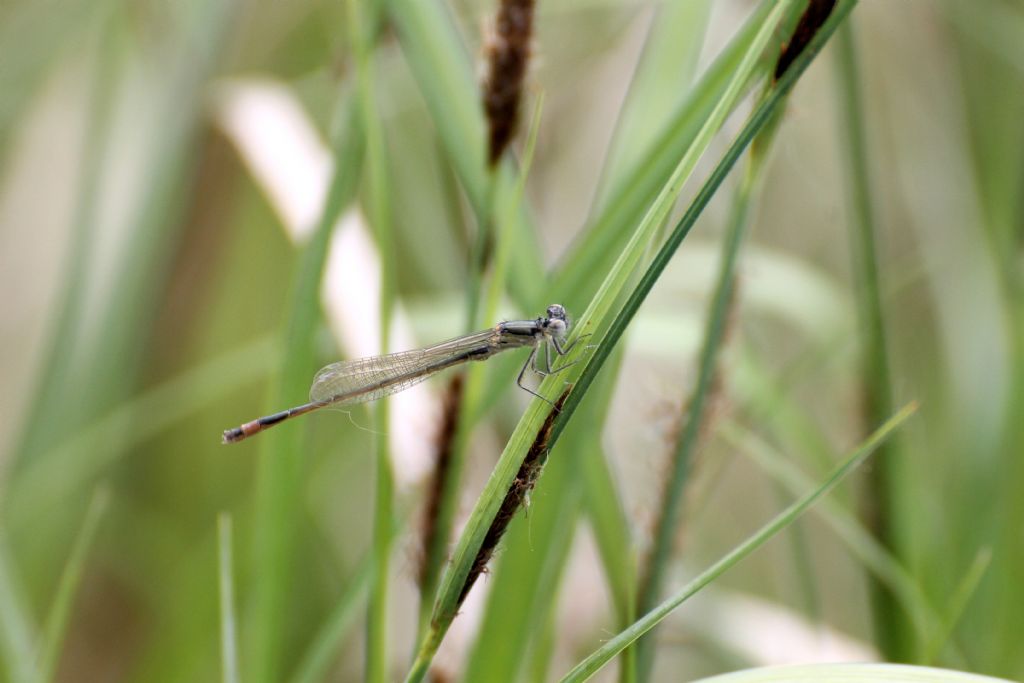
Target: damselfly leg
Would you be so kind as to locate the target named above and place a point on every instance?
(531, 363)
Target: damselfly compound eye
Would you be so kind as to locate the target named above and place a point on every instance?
(556, 311)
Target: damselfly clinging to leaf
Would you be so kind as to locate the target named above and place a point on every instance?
(367, 379)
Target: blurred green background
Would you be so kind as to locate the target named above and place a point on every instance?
(162, 167)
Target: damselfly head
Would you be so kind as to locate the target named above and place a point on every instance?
(557, 323)
(556, 311)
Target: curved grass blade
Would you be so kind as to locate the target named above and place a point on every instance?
(666, 528)
(593, 319)
(585, 669)
(878, 560)
(627, 201)
(958, 602)
(761, 116)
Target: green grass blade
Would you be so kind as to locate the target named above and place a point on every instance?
(722, 301)
(589, 666)
(63, 601)
(627, 201)
(281, 463)
(957, 603)
(111, 351)
(593, 319)
(659, 86)
(763, 115)
(226, 583)
(315, 664)
(362, 28)
(442, 67)
(894, 634)
(523, 588)
(884, 566)
(473, 399)
(111, 364)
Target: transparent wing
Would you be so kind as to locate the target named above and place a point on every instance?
(367, 379)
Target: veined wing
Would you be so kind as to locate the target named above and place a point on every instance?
(367, 379)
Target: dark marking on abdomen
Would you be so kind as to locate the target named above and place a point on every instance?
(275, 418)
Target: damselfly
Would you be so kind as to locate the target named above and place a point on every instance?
(368, 379)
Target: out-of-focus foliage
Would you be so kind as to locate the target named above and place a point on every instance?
(163, 170)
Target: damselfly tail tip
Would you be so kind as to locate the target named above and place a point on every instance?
(232, 435)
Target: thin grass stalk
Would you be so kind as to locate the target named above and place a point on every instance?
(957, 604)
(579, 273)
(894, 634)
(60, 611)
(882, 565)
(538, 421)
(444, 72)
(441, 496)
(506, 209)
(226, 583)
(628, 200)
(593, 663)
(668, 520)
(280, 456)
(362, 23)
(314, 665)
(759, 118)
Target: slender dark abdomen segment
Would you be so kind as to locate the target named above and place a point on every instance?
(258, 425)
